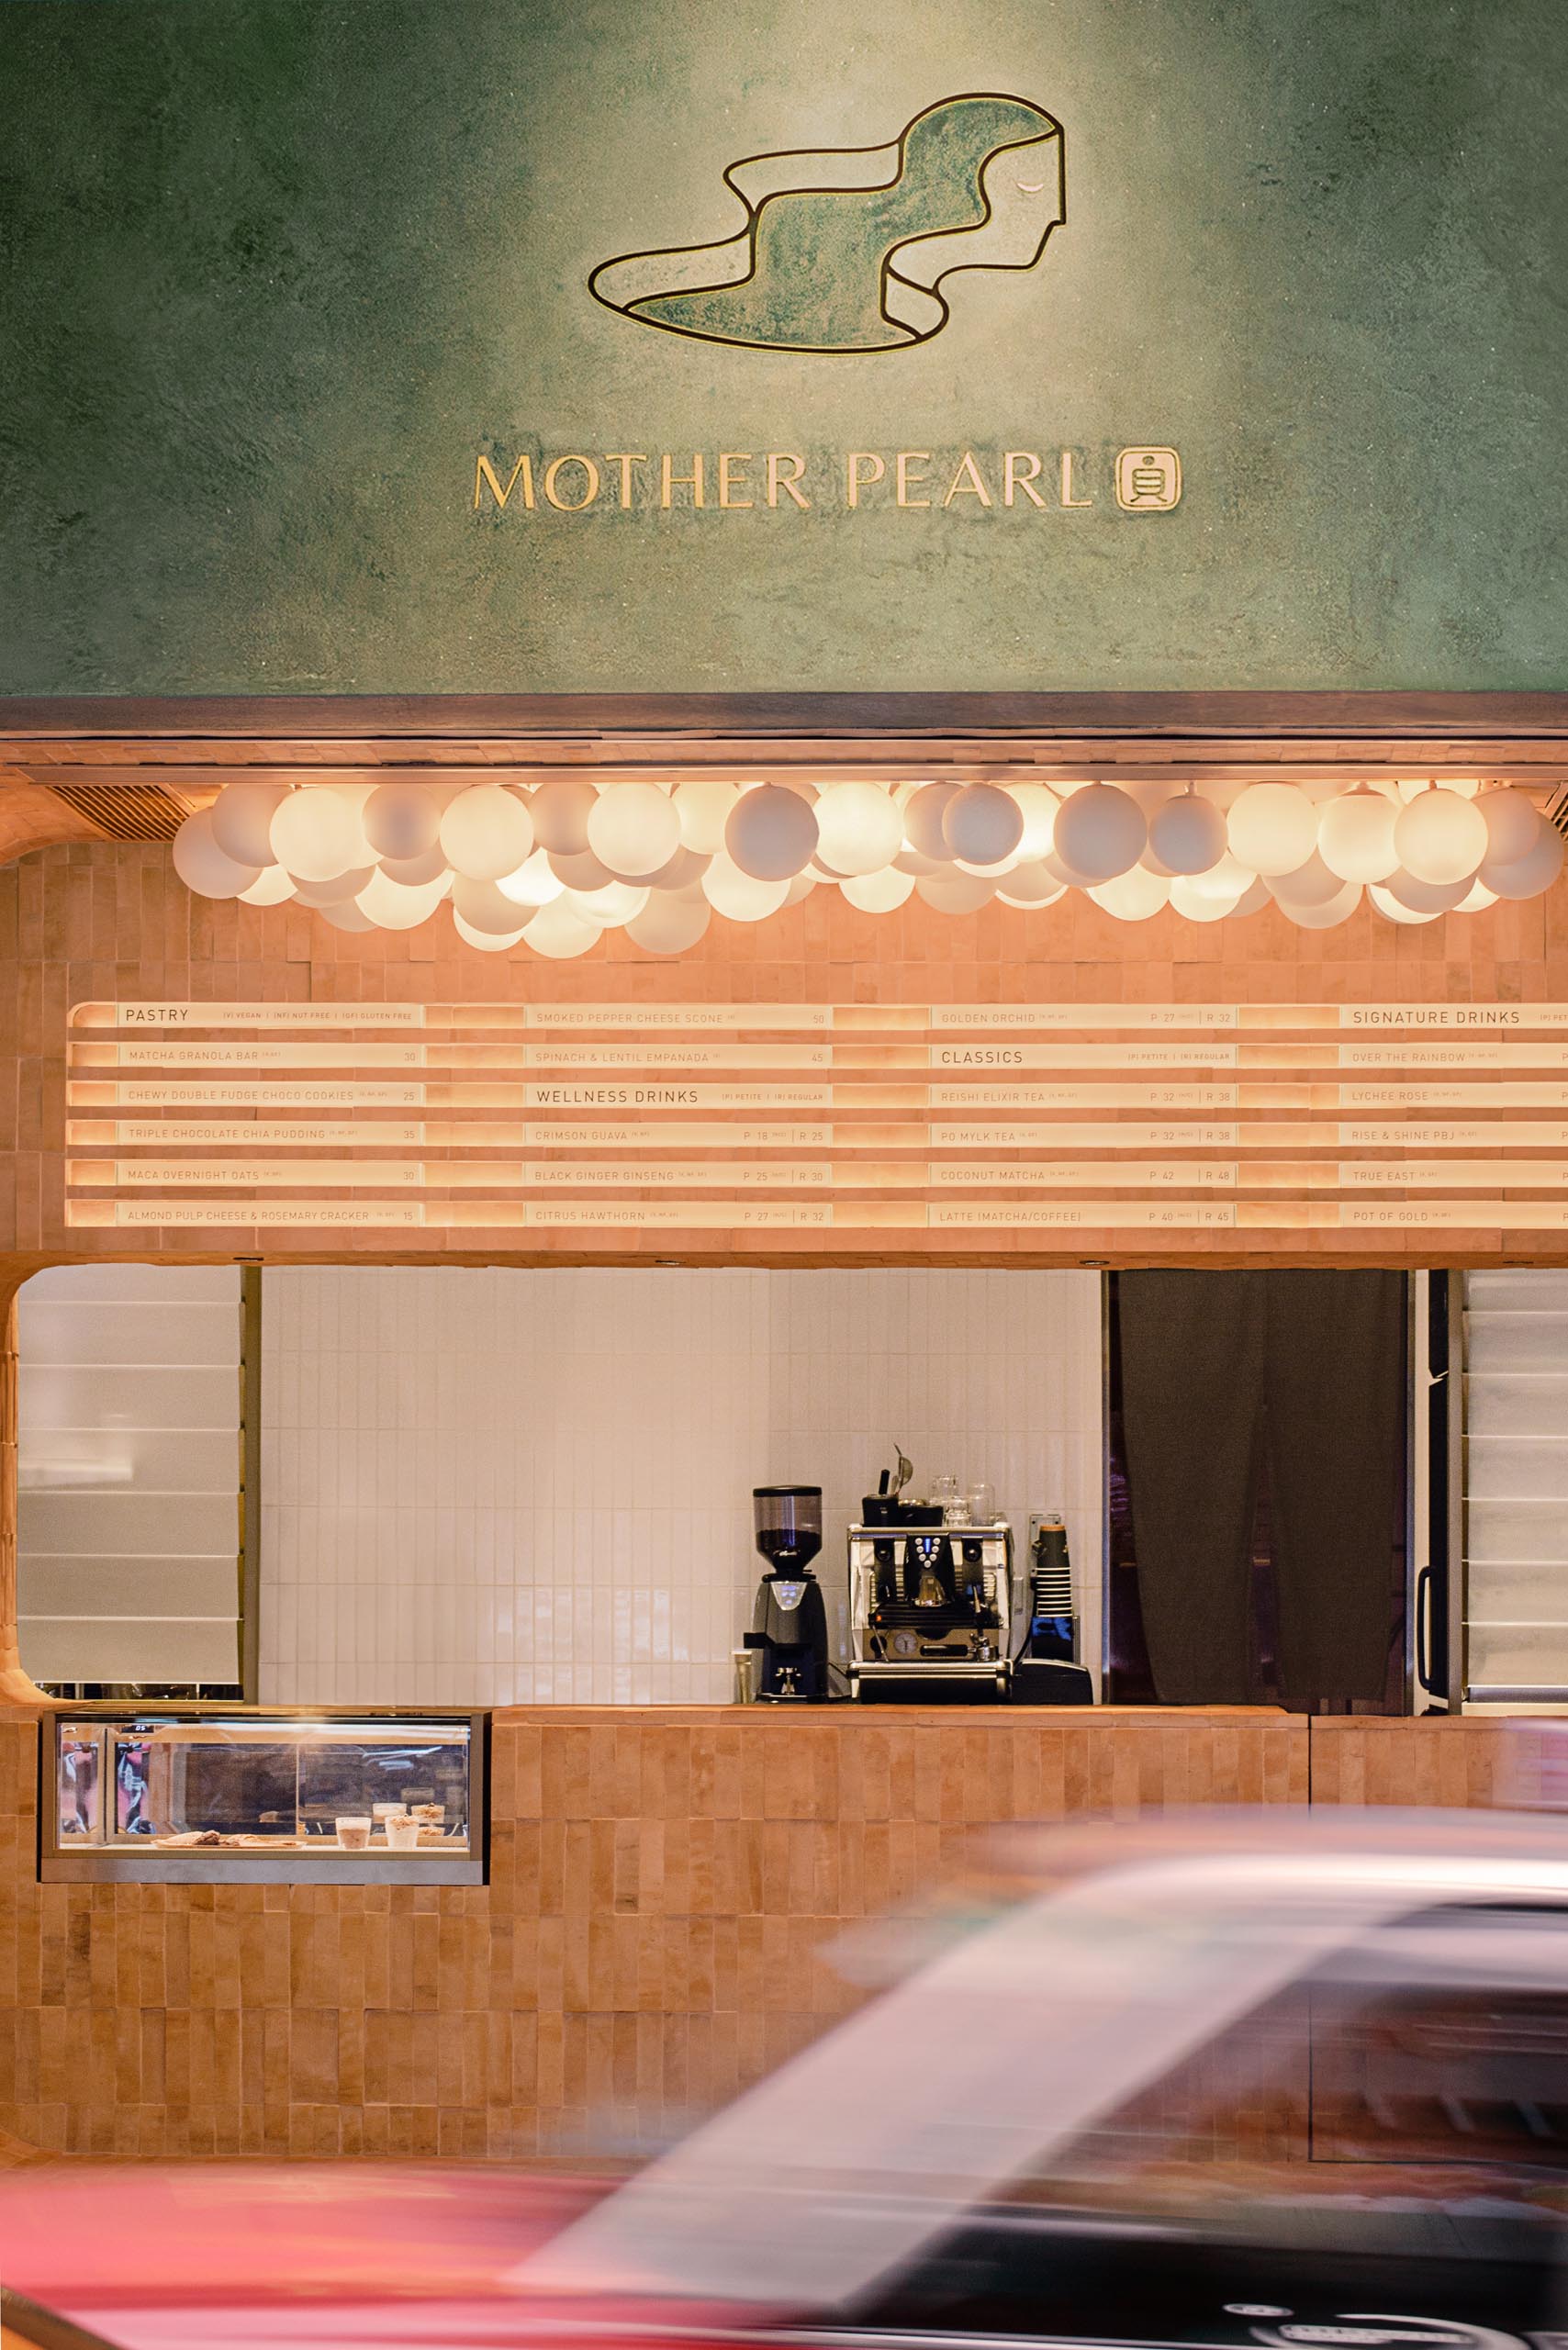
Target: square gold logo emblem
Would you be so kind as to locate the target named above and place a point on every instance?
(1148, 481)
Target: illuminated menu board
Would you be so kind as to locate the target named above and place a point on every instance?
(739, 1118)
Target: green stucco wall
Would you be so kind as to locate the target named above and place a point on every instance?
(273, 271)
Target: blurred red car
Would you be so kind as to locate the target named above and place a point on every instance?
(1299, 2083)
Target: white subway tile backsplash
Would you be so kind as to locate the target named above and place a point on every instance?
(506, 1486)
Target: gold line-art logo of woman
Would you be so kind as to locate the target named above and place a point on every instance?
(849, 249)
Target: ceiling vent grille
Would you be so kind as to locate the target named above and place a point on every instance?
(125, 811)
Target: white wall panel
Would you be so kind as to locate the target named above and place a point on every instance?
(506, 1486)
(129, 1473)
(1517, 1479)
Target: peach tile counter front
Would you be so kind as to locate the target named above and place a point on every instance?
(663, 1882)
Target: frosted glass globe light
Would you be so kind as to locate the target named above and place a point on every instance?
(1187, 834)
(561, 932)
(1468, 787)
(272, 887)
(684, 871)
(669, 926)
(484, 908)
(488, 942)
(1223, 884)
(1132, 896)
(633, 829)
(1527, 877)
(1476, 901)
(402, 819)
(1272, 828)
(1355, 835)
(800, 887)
(878, 893)
(347, 915)
(392, 907)
(1059, 870)
(772, 833)
(1194, 903)
(242, 821)
(1427, 897)
(1390, 907)
(316, 832)
(923, 814)
(414, 871)
(535, 882)
(1311, 884)
(956, 893)
(702, 805)
(1513, 824)
(1030, 884)
(611, 906)
(990, 869)
(1099, 833)
(356, 798)
(859, 827)
(578, 871)
(741, 895)
(486, 831)
(983, 825)
(560, 810)
(1323, 913)
(338, 890)
(1038, 805)
(1440, 836)
(203, 867)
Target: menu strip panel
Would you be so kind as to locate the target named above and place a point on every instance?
(653, 1019)
(958, 1118)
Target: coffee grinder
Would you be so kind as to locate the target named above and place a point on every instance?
(790, 1623)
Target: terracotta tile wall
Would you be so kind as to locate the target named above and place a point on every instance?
(663, 1882)
(1472, 1761)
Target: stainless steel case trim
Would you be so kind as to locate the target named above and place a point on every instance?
(75, 1863)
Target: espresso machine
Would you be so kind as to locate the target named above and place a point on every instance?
(790, 1623)
(931, 1613)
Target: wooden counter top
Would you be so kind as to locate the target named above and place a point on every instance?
(844, 1710)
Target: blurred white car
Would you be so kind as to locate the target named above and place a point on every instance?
(1257, 2078)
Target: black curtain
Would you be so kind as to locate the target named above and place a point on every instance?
(1299, 1376)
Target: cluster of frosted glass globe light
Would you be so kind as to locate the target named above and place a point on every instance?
(556, 866)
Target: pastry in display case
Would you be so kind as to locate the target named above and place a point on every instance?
(229, 1793)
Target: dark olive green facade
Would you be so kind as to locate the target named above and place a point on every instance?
(276, 272)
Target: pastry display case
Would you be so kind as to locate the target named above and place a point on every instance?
(237, 1795)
